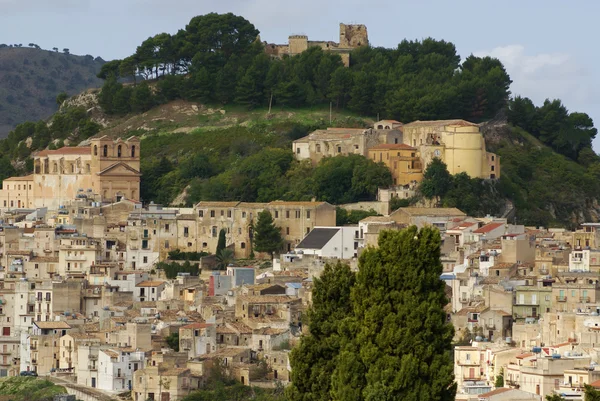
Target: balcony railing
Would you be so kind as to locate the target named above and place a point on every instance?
(584, 299)
(472, 377)
(561, 299)
(468, 363)
(33, 347)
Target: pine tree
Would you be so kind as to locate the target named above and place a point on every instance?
(267, 236)
(315, 359)
(398, 340)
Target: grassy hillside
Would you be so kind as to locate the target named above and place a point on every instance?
(30, 80)
(29, 389)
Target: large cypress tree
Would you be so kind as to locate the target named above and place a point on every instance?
(222, 242)
(398, 340)
(315, 359)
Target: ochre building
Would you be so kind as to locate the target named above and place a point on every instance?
(107, 169)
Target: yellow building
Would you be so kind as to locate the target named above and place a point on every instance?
(108, 168)
(459, 143)
(403, 160)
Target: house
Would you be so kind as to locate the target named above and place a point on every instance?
(116, 367)
(198, 339)
(330, 242)
(403, 161)
(427, 216)
(148, 290)
(333, 142)
(508, 394)
(163, 382)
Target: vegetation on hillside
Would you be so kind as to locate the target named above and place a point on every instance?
(548, 169)
(31, 78)
(29, 389)
(368, 339)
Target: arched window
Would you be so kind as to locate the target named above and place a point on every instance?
(95, 150)
(133, 151)
(119, 151)
(105, 152)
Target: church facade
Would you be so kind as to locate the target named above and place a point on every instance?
(108, 170)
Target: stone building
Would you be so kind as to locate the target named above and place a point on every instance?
(459, 143)
(351, 37)
(342, 141)
(403, 160)
(108, 168)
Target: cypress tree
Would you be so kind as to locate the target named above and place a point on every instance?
(398, 340)
(315, 359)
(221, 244)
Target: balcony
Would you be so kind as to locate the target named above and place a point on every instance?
(33, 347)
(490, 326)
(468, 363)
(92, 367)
(584, 299)
(561, 299)
(77, 258)
(93, 357)
(5, 352)
(472, 377)
(34, 362)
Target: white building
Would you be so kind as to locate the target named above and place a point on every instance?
(330, 242)
(579, 261)
(148, 291)
(116, 367)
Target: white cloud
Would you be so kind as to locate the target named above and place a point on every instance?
(544, 75)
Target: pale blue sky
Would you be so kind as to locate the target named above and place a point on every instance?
(546, 45)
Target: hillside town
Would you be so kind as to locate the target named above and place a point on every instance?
(84, 297)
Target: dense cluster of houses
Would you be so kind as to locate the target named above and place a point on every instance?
(526, 309)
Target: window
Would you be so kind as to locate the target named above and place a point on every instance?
(308, 214)
(119, 151)
(200, 213)
(204, 245)
(276, 214)
(166, 244)
(166, 227)
(307, 230)
(287, 231)
(243, 215)
(212, 213)
(229, 213)
(287, 214)
(318, 148)
(105, 151)
(339, 149)
(186, 231)
(95, 150)
(493, 168)
(145, 259)
(133, 151)
(493, 157)
(222, 213)
(297, 214)
(298, 150)
(243, 245)
(214, 231)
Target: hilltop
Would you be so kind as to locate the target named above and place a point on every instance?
(217, 116)
(31, 78)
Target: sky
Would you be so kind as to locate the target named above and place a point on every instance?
(545, 45)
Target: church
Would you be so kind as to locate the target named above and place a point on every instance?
(107, 169)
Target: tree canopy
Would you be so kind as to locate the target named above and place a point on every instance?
(267, 236)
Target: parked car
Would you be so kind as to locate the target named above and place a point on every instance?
(29, 373)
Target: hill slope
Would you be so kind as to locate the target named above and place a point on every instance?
(30, 80)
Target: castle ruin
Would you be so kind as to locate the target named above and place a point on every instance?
(351, 37)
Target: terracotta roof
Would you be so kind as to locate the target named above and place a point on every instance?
(196, 326)
(67, 150)
(392, 146)
(462, 226)
(216, 204)
(110, 353)
(149, 283)
(52, 325)
(487, 228)
(23, 178)
(525, 355)
(285, 203)
(495, 392)
(595, 384)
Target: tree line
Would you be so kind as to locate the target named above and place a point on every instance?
(218, 59)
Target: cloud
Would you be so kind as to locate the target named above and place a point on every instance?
(545, 75)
